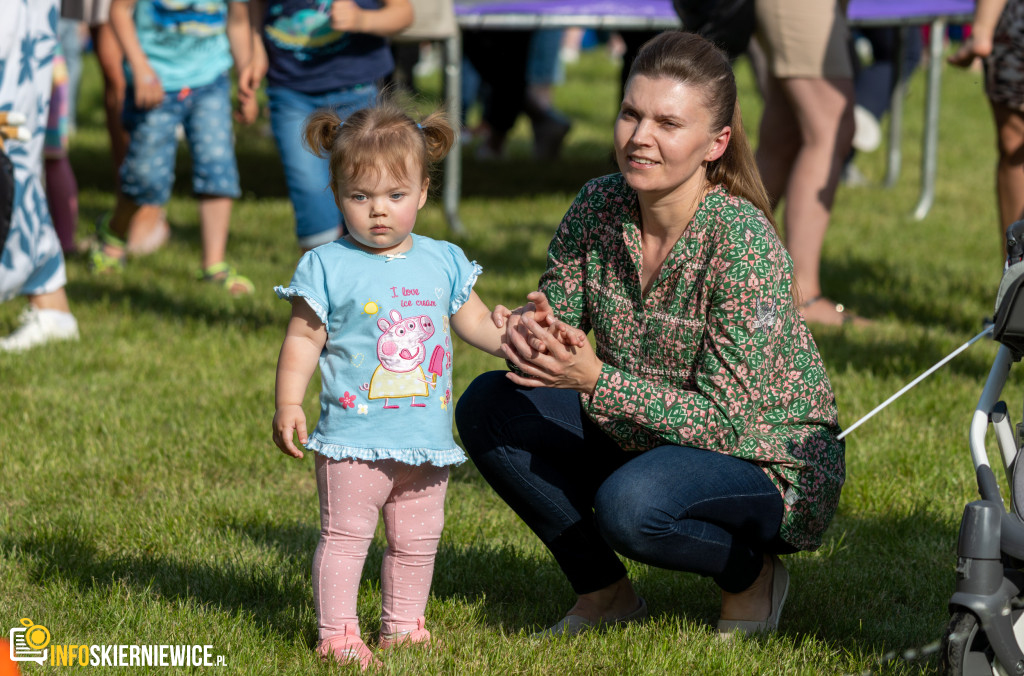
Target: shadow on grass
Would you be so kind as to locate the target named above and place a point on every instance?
(69, 558)
(877, 578)
(216, 307)
(462, 572)
(942, 305)
(903, 357)
(923, 294)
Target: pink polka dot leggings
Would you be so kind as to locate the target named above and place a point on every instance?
(352, 492)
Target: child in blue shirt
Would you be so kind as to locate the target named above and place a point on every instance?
(375, 309)
(178, 53)
(318, 54)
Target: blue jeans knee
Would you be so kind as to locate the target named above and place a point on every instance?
(693, 510)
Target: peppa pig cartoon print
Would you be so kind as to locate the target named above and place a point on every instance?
(401, 349)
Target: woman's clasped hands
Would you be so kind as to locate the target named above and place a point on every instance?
(546, 351)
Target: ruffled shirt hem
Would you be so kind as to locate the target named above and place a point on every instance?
(409, 456)
(314, 304)
(459, 299)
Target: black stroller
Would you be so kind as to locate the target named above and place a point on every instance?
(986, 630)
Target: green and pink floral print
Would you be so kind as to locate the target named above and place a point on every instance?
(715, 355)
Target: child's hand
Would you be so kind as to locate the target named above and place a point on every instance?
(149, 91)
(972, 48)
(251, 75)
(540, 311)
(289, 420)
(569, 336)
(346, 16)
(500, 315)
(248, 109)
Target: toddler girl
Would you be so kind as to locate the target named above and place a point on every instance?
(375, 309)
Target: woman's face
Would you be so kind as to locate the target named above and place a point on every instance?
(663, 136)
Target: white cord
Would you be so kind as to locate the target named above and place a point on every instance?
(915, 381)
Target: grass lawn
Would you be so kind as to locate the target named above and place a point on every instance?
(143, 502)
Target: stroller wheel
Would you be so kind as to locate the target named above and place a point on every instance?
(965, 648)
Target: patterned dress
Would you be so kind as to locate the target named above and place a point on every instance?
(715, 356)
(31, 262)
(1004, 68)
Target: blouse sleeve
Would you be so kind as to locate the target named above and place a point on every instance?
(749, 290)
(309, 283)
(562, 281)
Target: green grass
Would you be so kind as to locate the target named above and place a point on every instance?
(143, 502)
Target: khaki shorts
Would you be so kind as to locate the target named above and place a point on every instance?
(804, 38)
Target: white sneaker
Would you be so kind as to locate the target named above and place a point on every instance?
(867, 135)
(39, 327)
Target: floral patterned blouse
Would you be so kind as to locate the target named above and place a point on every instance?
(715, 356)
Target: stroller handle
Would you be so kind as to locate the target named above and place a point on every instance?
(986, 402)
(1012, 529)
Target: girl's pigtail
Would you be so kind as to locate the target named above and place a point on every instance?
(439, 135)
(321, 131)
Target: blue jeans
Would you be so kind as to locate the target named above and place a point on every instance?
(672, 507)
(147, 173)
(308, 177)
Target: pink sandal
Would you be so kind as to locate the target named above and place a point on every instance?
(346, 648)
(417, 635)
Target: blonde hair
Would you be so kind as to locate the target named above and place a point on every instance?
(375, 140)
(693, 60)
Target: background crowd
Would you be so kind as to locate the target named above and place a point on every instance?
(815, 115)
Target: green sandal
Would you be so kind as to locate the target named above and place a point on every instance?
(99, 259)
(226, 276)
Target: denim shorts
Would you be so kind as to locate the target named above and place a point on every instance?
(317, 216)
(147, 173)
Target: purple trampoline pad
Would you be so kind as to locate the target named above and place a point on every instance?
(859, 10)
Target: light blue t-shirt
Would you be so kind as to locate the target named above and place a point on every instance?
(185, 41)
(387, 366)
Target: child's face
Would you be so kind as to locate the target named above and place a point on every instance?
(380, 213)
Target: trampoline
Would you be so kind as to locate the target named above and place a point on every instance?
(660, 15)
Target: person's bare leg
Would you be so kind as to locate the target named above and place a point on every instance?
(124, 214)
(779, 140)
(111, 60)
(614, 601)
(215, 221)
(824, 113)
(148, 231)
(120, 222)
(1010, 167)
(54, 300)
